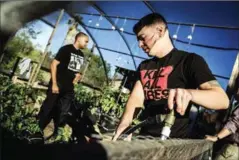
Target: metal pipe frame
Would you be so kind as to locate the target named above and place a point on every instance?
(177, 40)
(174, 23)
(117, 29)
(149, 6)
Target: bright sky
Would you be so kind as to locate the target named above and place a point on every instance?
(220, 61)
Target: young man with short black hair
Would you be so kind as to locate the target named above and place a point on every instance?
(172, 79)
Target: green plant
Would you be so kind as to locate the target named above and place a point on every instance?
(108, 101)
(112, 102)
(106, 106)
(84, 95)
(16, 110)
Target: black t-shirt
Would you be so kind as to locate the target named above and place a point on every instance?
(71, 62)
(178, 69)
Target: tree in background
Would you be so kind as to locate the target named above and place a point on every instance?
(95, 73)
(21, 46)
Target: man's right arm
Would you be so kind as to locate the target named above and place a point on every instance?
(54, 64)
(135, 100)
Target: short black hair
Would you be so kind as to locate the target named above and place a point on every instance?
(149, 20)
(80, 34)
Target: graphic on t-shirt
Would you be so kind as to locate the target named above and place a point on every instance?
(155, 83)
(75, 62)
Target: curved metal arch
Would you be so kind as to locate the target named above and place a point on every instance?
(107, 79)
(106, 75)
(116, 28)
(149, 6)
(106, 29)
(170, 22)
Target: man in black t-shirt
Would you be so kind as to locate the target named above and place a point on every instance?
(66, 70)
(172, 79)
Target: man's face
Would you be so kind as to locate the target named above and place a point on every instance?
(147, 38)
(82, 42)
(152, 38)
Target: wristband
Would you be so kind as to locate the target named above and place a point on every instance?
(218, 138)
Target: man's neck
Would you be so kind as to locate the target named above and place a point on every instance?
(166, 49)
(76, 46)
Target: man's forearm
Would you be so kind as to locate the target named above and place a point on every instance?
(224, 133)
(53, 73)
(211, 99)
(135, 100)
(128, 114)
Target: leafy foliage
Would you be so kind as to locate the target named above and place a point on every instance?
(105, 101)
(17, 111)
(18, 115)
(105, 107)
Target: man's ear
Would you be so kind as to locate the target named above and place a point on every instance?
(161, 31)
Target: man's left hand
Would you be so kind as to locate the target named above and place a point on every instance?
(181, 97)
(77, 78)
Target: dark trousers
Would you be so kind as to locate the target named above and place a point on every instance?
(56, 107)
